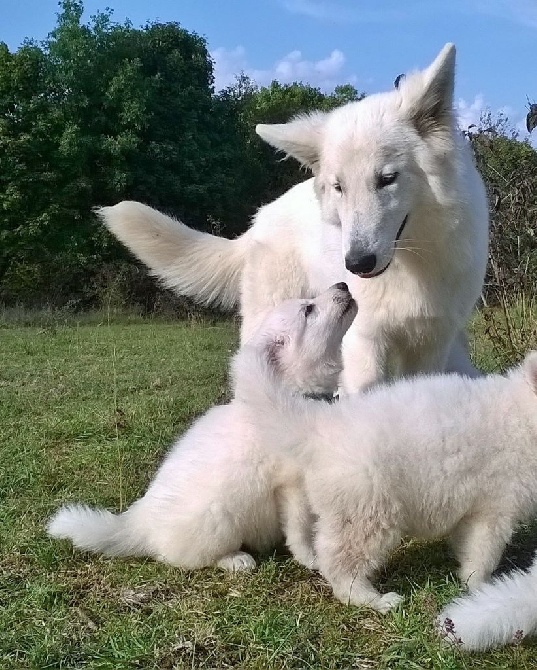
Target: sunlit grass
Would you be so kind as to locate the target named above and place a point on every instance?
(88, 407)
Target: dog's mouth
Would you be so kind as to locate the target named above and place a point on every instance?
(370, 275)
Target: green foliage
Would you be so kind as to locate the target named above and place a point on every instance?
(96, 114)
(509, 168)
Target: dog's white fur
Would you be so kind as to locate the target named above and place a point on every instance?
(220, 488)
(425, 457)
(499, 613)
(413, 311)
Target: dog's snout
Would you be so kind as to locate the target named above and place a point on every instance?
(361, 265)
(341, 286)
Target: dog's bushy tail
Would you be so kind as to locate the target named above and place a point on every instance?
(204, 267)
(499, 613)
(97, 530)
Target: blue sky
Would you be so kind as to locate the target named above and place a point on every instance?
(328, 42)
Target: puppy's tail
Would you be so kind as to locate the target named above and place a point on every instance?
(499, 613)
(97, 530)
(204, 267)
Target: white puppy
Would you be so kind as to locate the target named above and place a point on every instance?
(220, 488)
(425, 457)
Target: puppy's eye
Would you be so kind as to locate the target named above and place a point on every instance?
(308, 309)
(386, 179)
(337, 187)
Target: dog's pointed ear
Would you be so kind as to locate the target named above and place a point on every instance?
(428, 95)
(530, 369)
(300, 138)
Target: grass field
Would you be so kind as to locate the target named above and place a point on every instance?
(87, 409)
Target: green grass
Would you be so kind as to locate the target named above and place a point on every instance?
(87, 410)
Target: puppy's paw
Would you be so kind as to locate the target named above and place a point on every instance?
(306, 558)
(240, 561)
(387, 602)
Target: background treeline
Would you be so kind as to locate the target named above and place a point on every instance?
(103, 112)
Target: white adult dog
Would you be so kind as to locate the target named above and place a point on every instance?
(396, 209)
(499, 613)
(425, 457)
(220, 488)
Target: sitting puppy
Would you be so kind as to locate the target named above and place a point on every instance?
(426, 457)
(220, 488)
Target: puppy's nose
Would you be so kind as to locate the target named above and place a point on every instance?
(341, 286)
(362, 265)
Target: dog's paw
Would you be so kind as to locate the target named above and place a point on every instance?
(237, 562)
(387, 602)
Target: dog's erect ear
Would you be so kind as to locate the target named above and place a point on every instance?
(300, 138)
(428, 95)
(530, 369)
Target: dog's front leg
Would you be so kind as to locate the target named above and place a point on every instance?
(459, 359)
(364, 362)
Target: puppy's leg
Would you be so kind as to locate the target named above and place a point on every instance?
(349, 552)
(478, 542)
(297, 523)
(239, 561)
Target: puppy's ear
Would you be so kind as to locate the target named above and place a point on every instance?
(274, 350)
(530, 369)
(300, 138)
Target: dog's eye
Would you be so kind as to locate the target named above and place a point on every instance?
(337, 187)
(308, 309)
(387, 179)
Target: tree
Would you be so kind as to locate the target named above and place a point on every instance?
(96, 114)
(509, 169)
(265, 175)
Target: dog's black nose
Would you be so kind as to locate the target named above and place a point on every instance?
(363, 265)
(341, 286)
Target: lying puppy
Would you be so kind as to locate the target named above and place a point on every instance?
(220, 487)
(426, 457)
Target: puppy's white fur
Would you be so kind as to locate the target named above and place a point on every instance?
(425, 457)
(219, 489)
(428, 230)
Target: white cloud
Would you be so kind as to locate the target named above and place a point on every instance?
(227, 64)
(469, 113)
(325, 73)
